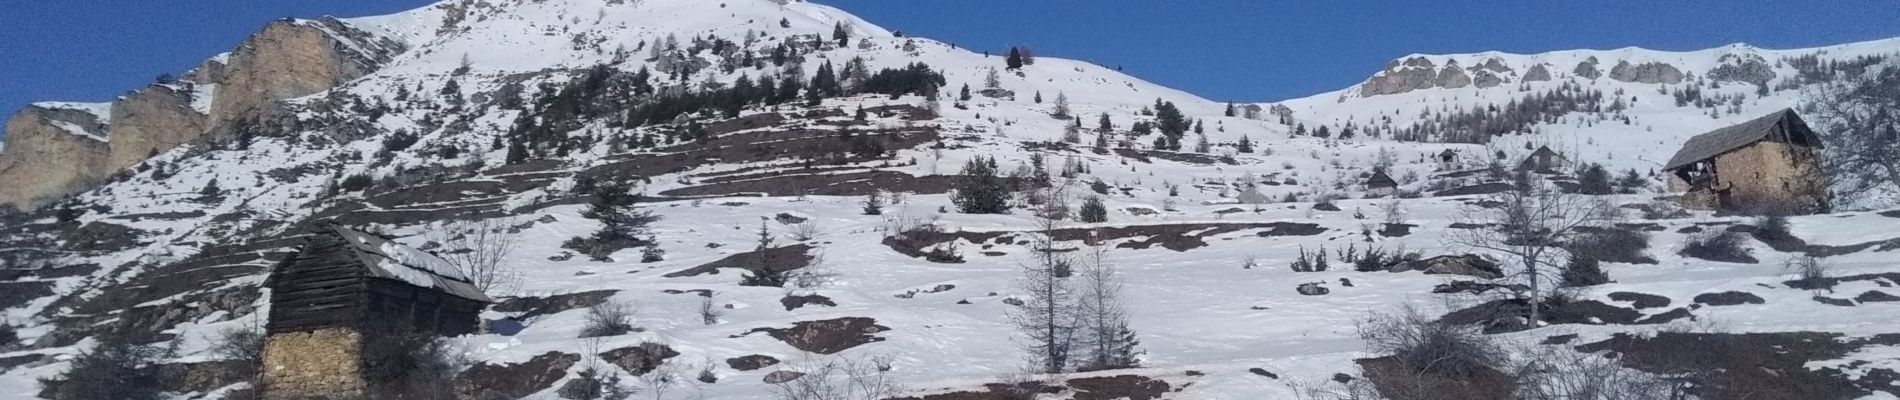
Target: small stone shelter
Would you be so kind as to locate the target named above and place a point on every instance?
(344, 288)
(1544, 160)
(1771, 164)
(1449, 160)
(1381, 185)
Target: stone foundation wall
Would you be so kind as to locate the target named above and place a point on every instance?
(1769, 176)
(324, 364)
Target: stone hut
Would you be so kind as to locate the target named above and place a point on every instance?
(345, 288)
(1770, 164)
(1544, 160)
(1381, 185)
(1448, 160)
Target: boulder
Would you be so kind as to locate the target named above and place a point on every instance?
(777, 377)
(751, 362)
(1471, 265)
(1313, 289)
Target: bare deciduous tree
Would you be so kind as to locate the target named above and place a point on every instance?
(1046, 319)
(1859, 120)
(1526, 224)
(840, 378)
(479, 250)
(1105, 335)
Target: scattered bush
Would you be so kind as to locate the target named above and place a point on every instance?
(1661, 209)
(1373, 260)
(611, 318)
(354, 183)
(1809, 272)
(1428, 347)
(244, 343)
(420, 366)
(946, 253)
(1773, 228)
(9, 336)
(1721, 246)
(1613, 245)
(594, 383)
(119, 368)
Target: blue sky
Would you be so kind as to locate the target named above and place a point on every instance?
(1263, 50)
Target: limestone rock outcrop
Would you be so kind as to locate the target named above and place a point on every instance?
(1649, 72)
(290, 59)
(51, 152)
(151, 121)
(44, 160)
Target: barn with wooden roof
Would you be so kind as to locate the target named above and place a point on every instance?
(345, 287)
(1771, 164)
(1381, 185)
(1544, 160)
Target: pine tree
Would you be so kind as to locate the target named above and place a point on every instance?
(1245, 145)
(211, 191)
(979, 190)
(1171, 122)
(841, 35)
(964, 95)
(1104, 126)
(1038, 97)
(1015, 59)
(1583, 271)
(763, 273)
(612, 204)
(1062, 106)
(874, 203)
(1093, 211)
(1230, 109)
(1594, 180)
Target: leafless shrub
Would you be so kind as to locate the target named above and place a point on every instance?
(412, 365)
(806, 231)
(816, 274)
(1721, 246)
(1428, 347)
(479, 250)
(1808, 271)
(662, 379)
(1559, 373)
(840, 378)
(243, 343)
(709, 312)
(611, 318)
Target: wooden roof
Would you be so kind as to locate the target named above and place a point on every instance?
(1784, 126)
(385, 259)
(1380, 180)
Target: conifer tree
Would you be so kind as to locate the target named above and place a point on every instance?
(841, 35)
(979, 190)
(1015, 59)
(1062, 106)
(1093, 211)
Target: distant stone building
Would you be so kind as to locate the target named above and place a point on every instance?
(1546, 161)
(1381, 185)
(344, 289)
(1252, 195)
(1770, 164)
(1449, 160)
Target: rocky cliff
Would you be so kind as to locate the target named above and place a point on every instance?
(287, 59)
(50, 152)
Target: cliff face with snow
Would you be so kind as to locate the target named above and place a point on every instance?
(287, 59)
(159, 214)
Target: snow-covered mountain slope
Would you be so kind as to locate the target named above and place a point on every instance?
(506, 112)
